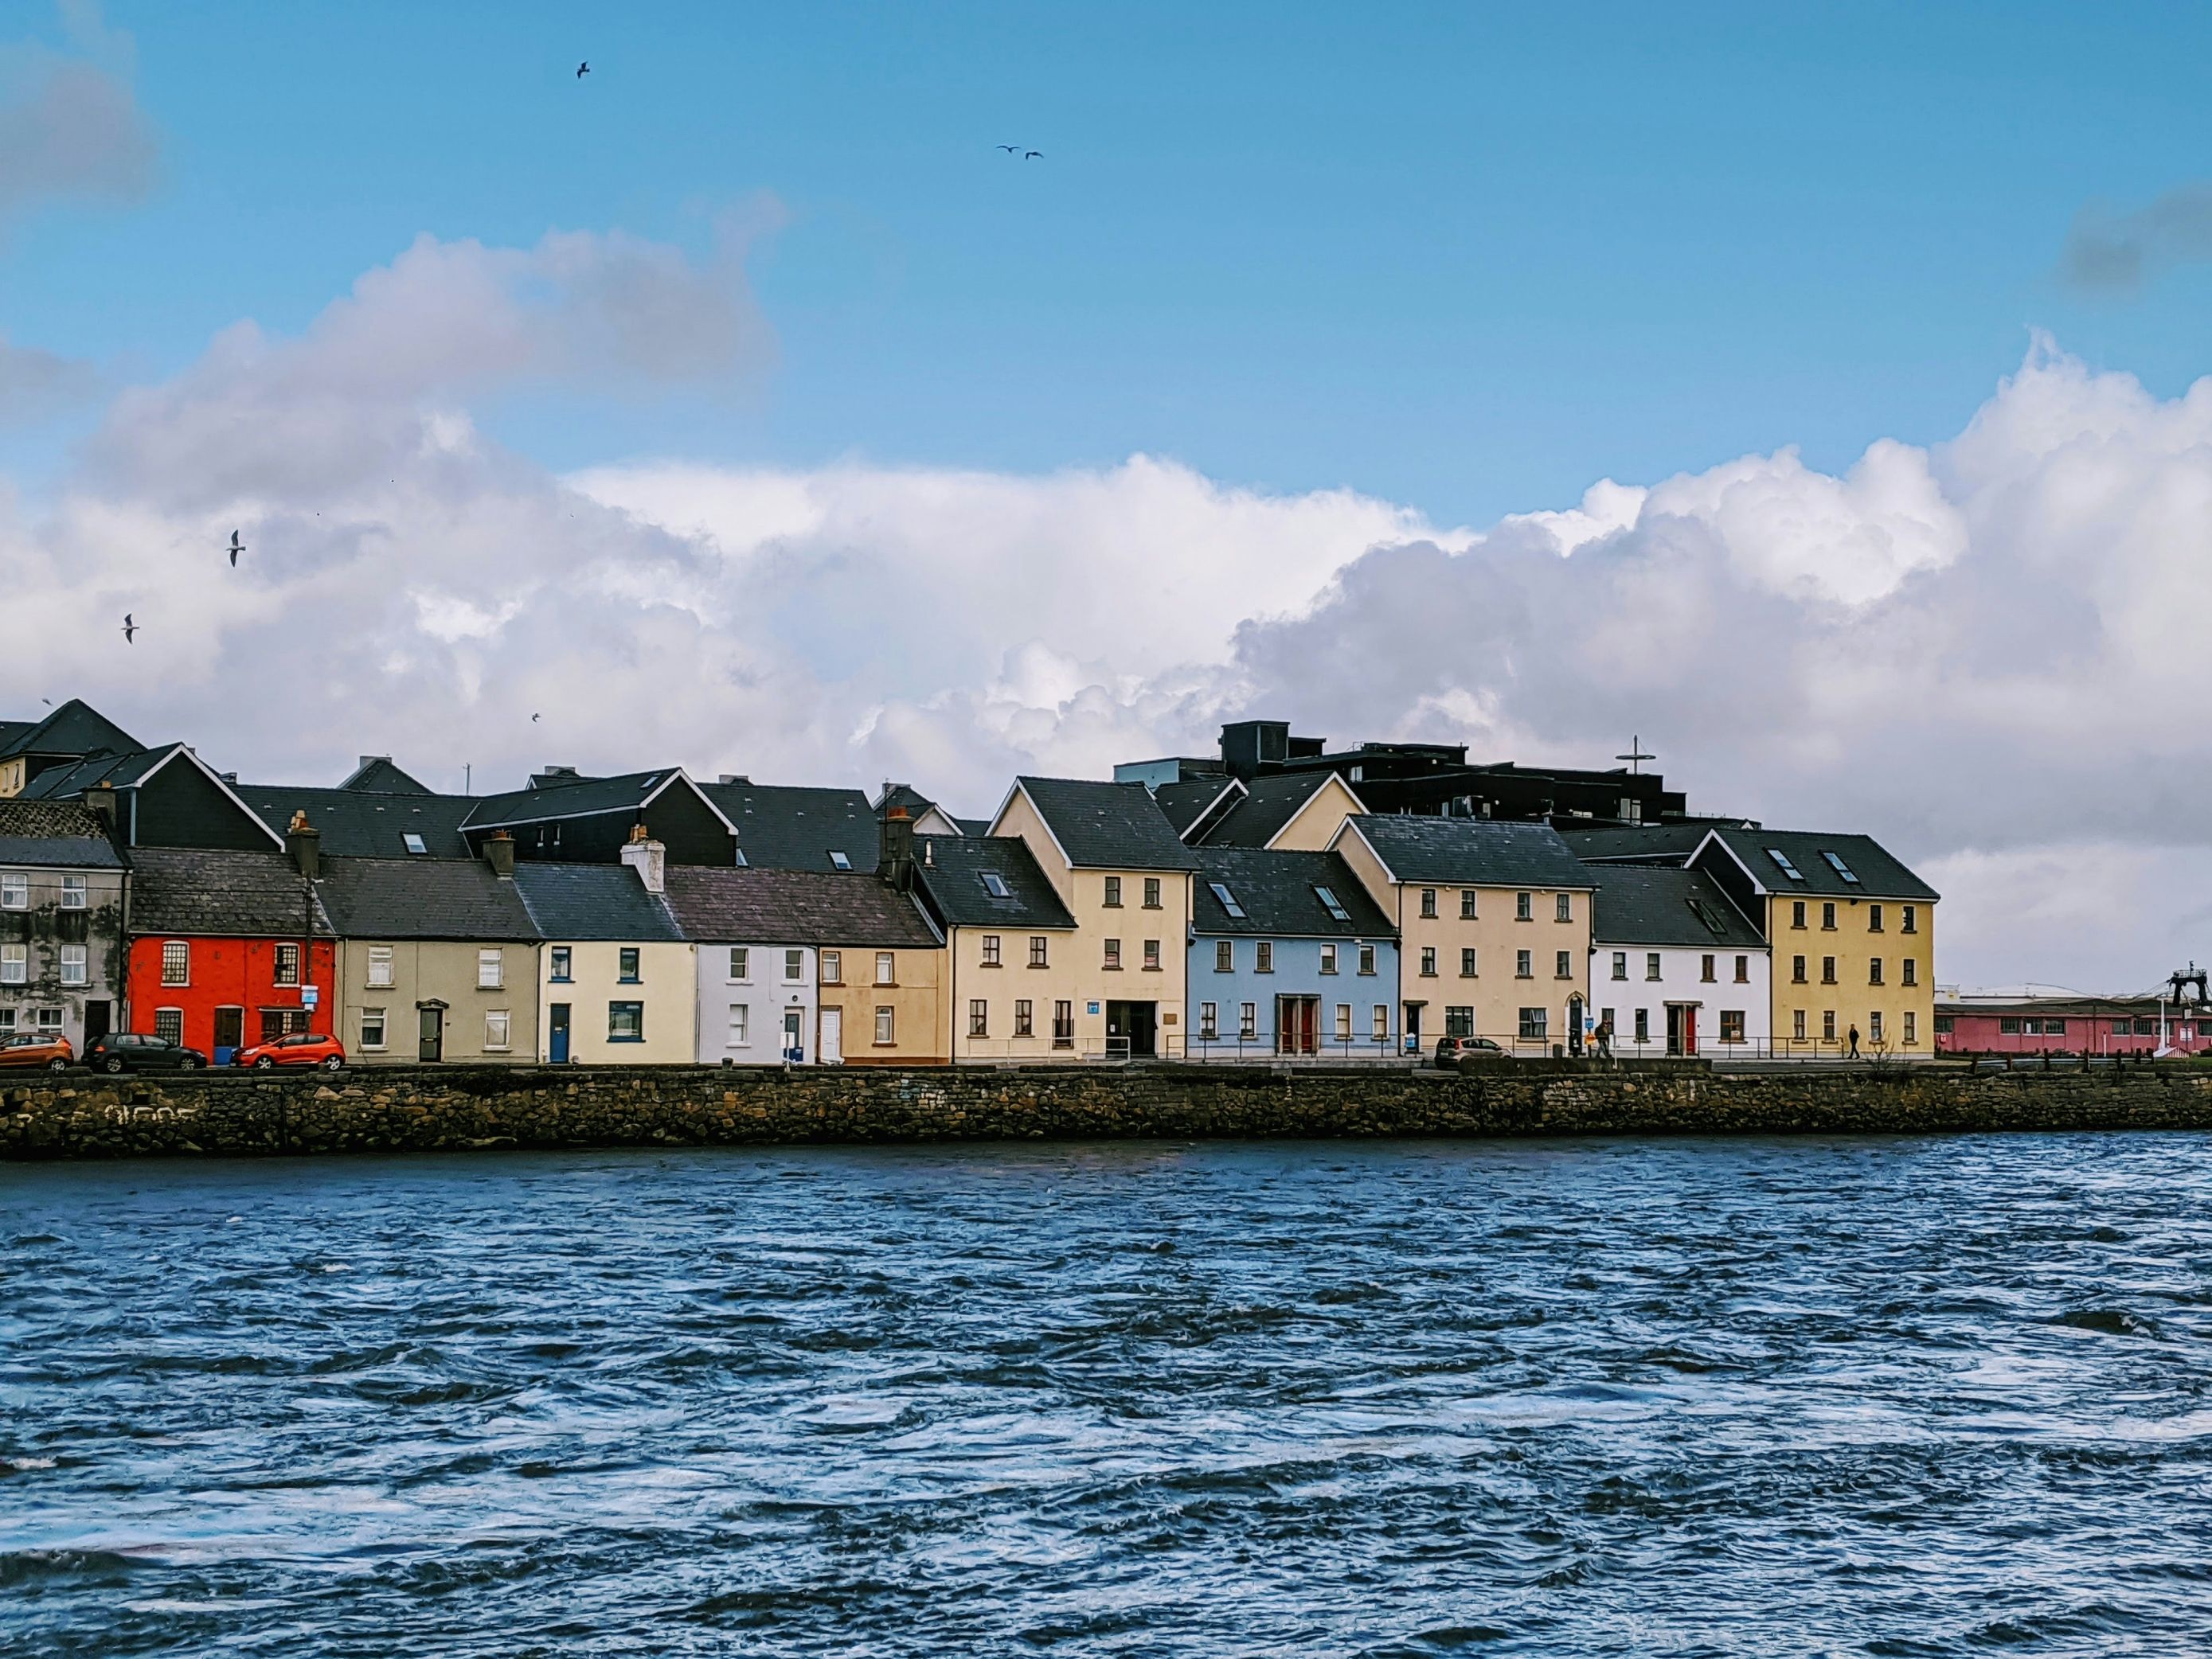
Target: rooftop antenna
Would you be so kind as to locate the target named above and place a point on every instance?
(1635, 757)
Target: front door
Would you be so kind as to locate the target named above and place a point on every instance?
(97, 1014)
(556, 1025)
(1681, 1029)
(1575, 1025)
(1131, 1029)
(1298, 1024)
(830, 1050)
(1412, 1028)
(229, 1034)
(431, 1044)
(794, 1044)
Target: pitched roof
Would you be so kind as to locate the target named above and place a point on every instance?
(1473, 852)
(795, 907)
(1643, 843)
(74, 728)
(421, 898)
(586, 798)
(951, 870)
(1187, 800)
(377, 775)
(119, 771)
(1269, 802)
(357, 825)
(1809, 852)
(1275, 891)
(593, 901)
(189, 889)
(1650, 904)
(55, 834)
(1109, 826)
(793, 827)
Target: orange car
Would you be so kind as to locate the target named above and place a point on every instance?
(304, 1048)
(52, 1051)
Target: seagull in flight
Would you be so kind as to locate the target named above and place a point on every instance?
(1012, 149)
(237, 547)
(583, 68)
(533, 720)
(129, 629)
(1034, 155)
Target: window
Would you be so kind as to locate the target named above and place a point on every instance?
(833, 967)
(1152, 956)
(1731, 1026)
(1248, 1020)
(1643, 1025)
(1563, 966)
(1909, 968)
(1797, 1024)
(1209, 1020)
(1524, 964)
(372, 1028)
(1429, 961)
(73, 892)
(1828, 1025)
(1908, 919)
(1379, 1022)
(1428, 901)
(558, 970)
(1874, 970)
(741, 962)
(991, 950)
(625, 1022)
(1224, 956)
(1796, 971)
(1263, 957)
(1114, 953)
(1113, 892)
(1911, 1028)
(1563, 907)
(1459, 1022)
(1152, 892)
(2145, 1027)
(1328, 958)
(1228, 900)
(1873, 918)
(794, 965)
(169, 1024)
(1343, 1022)
(1621, 964)
(979, 1017)
(1535, 1021)
(838, 861)
(1063, 1025)
(1466, 904)
(287, 964)
(1651, 964)
(380, 966)
(742, 861)
(1024, 1025)
(1828, 918)
(1836, 863)
(626, 965)
(994, 883)
(740, 1026)
(1797, 912)
(2009, 1025)
(1782, 863)
(794, 1044)
(1330, 902)
(2031, 1027)
(416, 846)
(281, 1022)
(1523, 906)
(15, 965)
(491, 969)
(1827, 970)
(2054, 1028)
(886, 1026)
(15, 890)
(73, 964)
(1367, 959)
(1743, 970)
(1874, 1022)
(1467, 962)
(887, 963)
(497, 1026)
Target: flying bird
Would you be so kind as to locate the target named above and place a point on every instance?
(1033, 156)
(583, 68)
(129, 629)
(1012, 149)
(533, 720)
(237, 547)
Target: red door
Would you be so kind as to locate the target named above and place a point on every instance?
(1689, 1030)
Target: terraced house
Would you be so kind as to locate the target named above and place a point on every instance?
(1289, 955)
(62, 956)
(1013, 967)
(616, 984)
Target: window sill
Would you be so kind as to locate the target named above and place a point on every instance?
(991, 964)
(617, 1039)
(1111, 968)
(884, 985)
(883, 1045)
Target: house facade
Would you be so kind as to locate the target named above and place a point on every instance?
(616, 982)
(1675, 968)
(2029, 1026)
(63, 960)
(1289, 957)
(1011, 975)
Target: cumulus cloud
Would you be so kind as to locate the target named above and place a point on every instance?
(36, 384)
(2111, 251)
(70, 127)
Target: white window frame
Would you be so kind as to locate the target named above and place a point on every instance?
(379, 974)
(886, 1026)
(833, 967)
(1248, 1021)
(741, 965)
(499, 1031)
(886, 967)
(180, 951)
(492, 963)
(15, 890)
(1209, 1020)
(374, 1018)
(15, 965)
(75, 893)
(76, 965)
(738, 1033)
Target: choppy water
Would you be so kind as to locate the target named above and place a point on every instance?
(1878, 1397)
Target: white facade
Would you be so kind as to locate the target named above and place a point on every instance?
(757, 1005)
(1674, 999)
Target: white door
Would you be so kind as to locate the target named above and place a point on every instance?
(831, 1049)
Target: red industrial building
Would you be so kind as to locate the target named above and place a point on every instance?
(2068, 1025)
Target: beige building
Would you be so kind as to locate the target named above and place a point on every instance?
(1280, 812)
(1494, 921)
(1012, 980)
(616, 984)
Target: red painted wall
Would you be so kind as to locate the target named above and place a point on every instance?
(232, 973)
(1979, 1033)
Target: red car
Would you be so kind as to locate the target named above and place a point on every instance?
(52, 1051)
(304, 1050)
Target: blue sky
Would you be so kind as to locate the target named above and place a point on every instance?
(1465, 258)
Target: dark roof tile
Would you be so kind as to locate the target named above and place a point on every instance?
(1879, 876)
(1474, 851)
(795, 907)
(793, 827)
(423, 898)
(1275, 891)
(951, 871)
(1649, 904)
(1107, 826)
(57, 834)
(593, 901)
(179, 890)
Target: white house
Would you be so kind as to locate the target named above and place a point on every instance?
(1675, 966)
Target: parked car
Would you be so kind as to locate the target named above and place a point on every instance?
(1451, 1050)
(302, 1049)
(133, 1051)
(49, 1050)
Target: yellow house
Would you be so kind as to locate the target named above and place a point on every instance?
(616, 985)
(1853, 934)
(1494, 921)
(1119, 869)
(1013, 978)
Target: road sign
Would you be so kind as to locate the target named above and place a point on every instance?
(310, 995)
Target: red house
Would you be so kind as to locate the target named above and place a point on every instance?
(227, 948)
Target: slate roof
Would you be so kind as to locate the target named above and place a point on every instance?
(1187, 799)
(950, 872)
(1107, 826)
(587, 798)
(795, 907)
(1646, 843)
(11, 729)
(54, 834)
(1269, 802)
(377, 775)
(121, 771)
(189, 889)
(1879, 876)
(1275, 891)
(792, 827)
(1473, 852)
(421, 898)
(1650, 904)
(74, 728)
(361, 825)
(593, 901)
(972, 826)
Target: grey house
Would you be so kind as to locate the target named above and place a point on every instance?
(61, 954)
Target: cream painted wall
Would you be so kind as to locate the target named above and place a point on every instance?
(444, 970)
(915, 999)
(1854, 999)
(999, 989)
(1314, 825)
(1018, 817)
(665, 985)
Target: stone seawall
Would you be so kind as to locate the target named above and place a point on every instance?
(425, 1108)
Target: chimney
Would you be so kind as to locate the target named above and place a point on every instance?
(648, 858)
(897, 858)
(305, 843)
(499, 853)
(101, 798)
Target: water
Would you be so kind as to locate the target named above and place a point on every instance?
(1904, 1397)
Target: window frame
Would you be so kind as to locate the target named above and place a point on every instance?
(614, 1006)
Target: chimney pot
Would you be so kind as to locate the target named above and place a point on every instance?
(305, 843)
(499, 853)
(648, 858)
(896, 858)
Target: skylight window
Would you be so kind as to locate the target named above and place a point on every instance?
(996, 884)
(839, 861)
(1228, 900)
(1706, 913)
(1330, 902)
(1783, 859)
(1836, 863)
(742, 863)
(414, 843)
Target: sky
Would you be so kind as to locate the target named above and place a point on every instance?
(1813, 392)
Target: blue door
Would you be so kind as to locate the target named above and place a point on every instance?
(559, 1050)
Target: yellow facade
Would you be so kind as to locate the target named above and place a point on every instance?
(11, 776)
(888, 1004)
(1868, 962)
(1313, 826)
(664, 984)
(998, 967)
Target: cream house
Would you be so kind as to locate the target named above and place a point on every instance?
(1012, 973)
(616, 985)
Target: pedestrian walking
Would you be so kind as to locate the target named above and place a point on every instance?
(1855, 1042)
(1605, 1038)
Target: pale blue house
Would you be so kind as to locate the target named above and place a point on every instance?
(1289, 955)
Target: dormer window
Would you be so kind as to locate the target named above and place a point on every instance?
(839, 861)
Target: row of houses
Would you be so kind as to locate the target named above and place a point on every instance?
(1254, 905)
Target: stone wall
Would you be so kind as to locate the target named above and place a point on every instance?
(406, 1109)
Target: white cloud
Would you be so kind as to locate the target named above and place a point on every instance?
(70, 127)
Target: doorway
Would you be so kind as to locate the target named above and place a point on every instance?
(97, 1014)
(1575, 1026)
(430, 1044)
(1298, 1024)
(830, 1050)
(1681, 1027)
(556, 1026)
(1132, 1029)
(1412, 1027)
(230, 1033)
(795, 1042)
